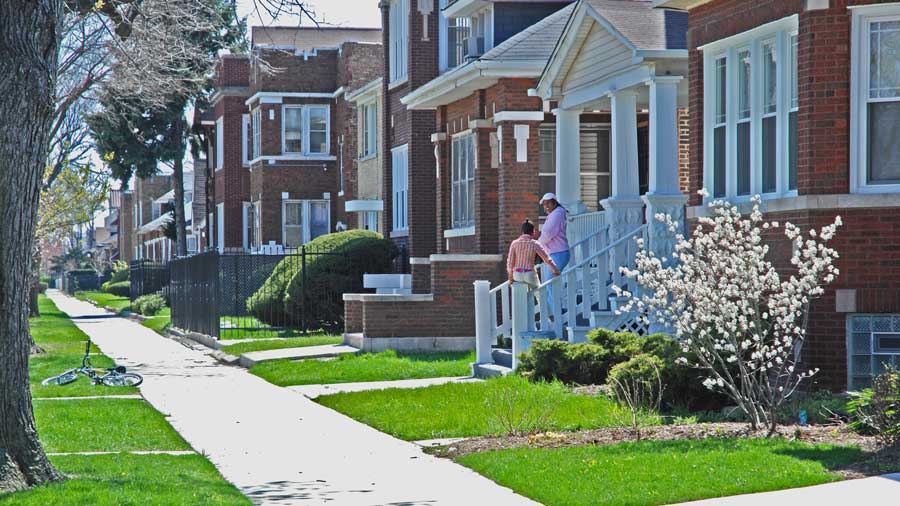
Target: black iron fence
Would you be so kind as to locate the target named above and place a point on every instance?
(148, 277)
(239, 295)
(79, 280)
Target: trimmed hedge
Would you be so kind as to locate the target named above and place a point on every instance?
(148, 305)
(328, 276)
(121, 288)
(591, 364)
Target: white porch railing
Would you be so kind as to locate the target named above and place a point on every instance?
(583, 226)
(562, 302)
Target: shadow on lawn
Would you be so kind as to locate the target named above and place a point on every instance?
(833, 458)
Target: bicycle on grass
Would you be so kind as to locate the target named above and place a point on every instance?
(112, 377)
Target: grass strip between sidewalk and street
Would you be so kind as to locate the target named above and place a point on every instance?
(108, 425)
(473, 409)
(661, 472)
(279, 344)
(383, 366)
(145, 480)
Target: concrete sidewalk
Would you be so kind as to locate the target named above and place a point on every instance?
(876, 491)
(278, 447)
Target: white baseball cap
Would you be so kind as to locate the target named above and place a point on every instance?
(548, 196)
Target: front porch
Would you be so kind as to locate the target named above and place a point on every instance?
(599, 66)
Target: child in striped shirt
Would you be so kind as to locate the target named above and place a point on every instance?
(520, 261)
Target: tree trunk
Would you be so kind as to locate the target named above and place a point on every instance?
(29, 50)
(178, 176)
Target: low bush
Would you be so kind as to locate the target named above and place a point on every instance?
(876, 410)
(551, 360)
(335, 265)
(148, 305)
(590, 363)
(120, 288)
(42, 287)
(637, 386)
(120, 272)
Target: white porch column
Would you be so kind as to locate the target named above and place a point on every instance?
(568, 160)
(665, 196)
(624, 207)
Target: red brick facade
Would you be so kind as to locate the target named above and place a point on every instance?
(327, 74)
(868, 243)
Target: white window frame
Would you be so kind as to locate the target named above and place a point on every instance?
(780, 32)
(863, 17)
(246, 224)
(220, 143)
(305, 130)
(305, 213)
(369, 221)
(400, 187)
(256, 126)
(368, 139)
(399, 41)
(220, 227)
(341, 165)
(462, 146)
(245, 137)
(444, 40)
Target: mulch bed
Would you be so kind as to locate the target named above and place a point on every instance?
(838, 434)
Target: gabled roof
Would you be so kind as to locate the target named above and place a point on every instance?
(644, 26)
(523, 55)
(639, 29)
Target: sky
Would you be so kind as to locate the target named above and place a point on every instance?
(355, 13)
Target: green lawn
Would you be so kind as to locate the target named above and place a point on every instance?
(383, 366)
(104, 425)
(660, 472)
(160, 321)
(473, 409)
(281, 343)
(64, 343)
(104, 299)
(133, 480)
(121, 425)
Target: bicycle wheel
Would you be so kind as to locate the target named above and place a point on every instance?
(62, 379)
(128, 379)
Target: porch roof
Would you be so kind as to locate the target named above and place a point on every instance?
(606, 39)
(156, 224)
(523, 55)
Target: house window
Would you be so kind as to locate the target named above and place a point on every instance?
(480, 31)
(595, 164)
(463, 181)
(400, 186)
(245, 139)
(250, 240)
(257, 226)
(875, 93)
(292, 129)
(751, 104)
(220, 143)
(453, 41)
(368, 118)
(304, 129)
(369, 221)
(257, 137)
(793, 137)
(873, 345)
(399, 40)
(192, 244)
(304, 220)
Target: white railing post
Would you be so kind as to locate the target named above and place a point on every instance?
(520, 312)
(484, 333)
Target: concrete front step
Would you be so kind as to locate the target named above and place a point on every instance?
(485, 371)
(502, 356)
(252, 358)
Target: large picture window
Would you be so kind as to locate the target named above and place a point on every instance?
(463, 181)
(399, 40)
(751, 103)
(305, 130)
(400, 187)
(875, 91)
(303, 221)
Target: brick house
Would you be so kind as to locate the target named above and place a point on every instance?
(364, 191)
(146, 210)
(601, 122)
(797, 101)
(282, 138)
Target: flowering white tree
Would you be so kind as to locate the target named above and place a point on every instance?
(741, 322)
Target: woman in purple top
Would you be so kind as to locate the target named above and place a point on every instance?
(553, 234)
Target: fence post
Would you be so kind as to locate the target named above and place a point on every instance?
(483, 330)
(519, 321)
(303, 321)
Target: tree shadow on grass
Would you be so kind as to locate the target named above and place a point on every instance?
(832, 458)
